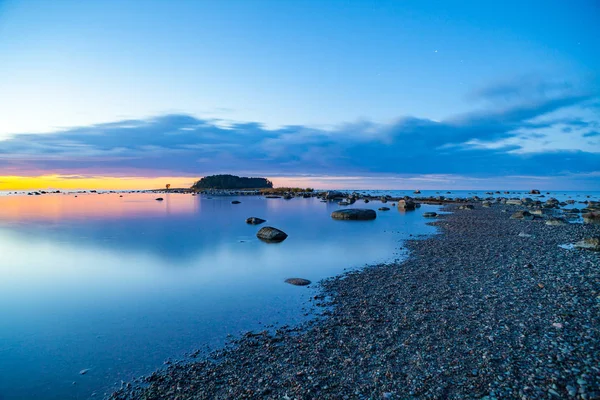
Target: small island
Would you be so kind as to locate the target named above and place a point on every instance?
(232, 182)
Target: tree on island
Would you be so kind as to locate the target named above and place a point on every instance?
(232, 182)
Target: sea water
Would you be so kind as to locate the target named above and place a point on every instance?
(98, 288)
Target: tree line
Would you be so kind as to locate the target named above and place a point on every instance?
(232, 182)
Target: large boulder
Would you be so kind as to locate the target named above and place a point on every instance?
(354, 214)
(255, 221)
(526, 215)
(534, 191)
(591, 218)
(406, 204)
(514, 202)
(334, 195)
(486, 204)
(592, 243)
(551, 203)
(272, 235)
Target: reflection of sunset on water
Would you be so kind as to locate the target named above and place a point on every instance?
(54, 207)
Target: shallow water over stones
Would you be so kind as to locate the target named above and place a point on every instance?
(114, 286)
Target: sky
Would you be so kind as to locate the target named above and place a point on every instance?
(328, 94)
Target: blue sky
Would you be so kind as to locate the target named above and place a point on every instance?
(463, 89)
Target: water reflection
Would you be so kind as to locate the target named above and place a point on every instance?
(119, 284)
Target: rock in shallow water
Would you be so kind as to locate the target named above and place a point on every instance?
(255, 221)
(406, 204)
(272, 235)
(354, 214)
(298, 281)
(384, 209)
(235, 202)
(430, 214)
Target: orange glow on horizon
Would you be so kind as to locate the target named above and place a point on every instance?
(76, 182)
(79, 182)
(57, 207)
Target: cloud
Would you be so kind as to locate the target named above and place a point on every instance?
(485, 142)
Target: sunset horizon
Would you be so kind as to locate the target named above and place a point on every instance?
(309, 199)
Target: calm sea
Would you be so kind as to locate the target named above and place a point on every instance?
(117, 285)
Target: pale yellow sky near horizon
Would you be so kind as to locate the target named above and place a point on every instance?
(75, 182)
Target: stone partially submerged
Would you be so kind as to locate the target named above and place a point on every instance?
(354, 214)
(407, 204)
(271, 235)
(430, 214)
(298, 281)
(255, 221)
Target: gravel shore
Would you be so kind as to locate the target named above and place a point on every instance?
(479, 310)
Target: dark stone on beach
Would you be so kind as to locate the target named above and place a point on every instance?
(556, 221)
(592, 243)
(255, 221)
(354, 214)
(270, 234)
(486, 204)
(466, 207)
(542, 211)
(591, 218)
(384, 209)
(522, 214)
(235, 202)
(159, 199)
(430, 214)
(298, 281)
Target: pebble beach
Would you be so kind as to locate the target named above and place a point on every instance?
(489, 307)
